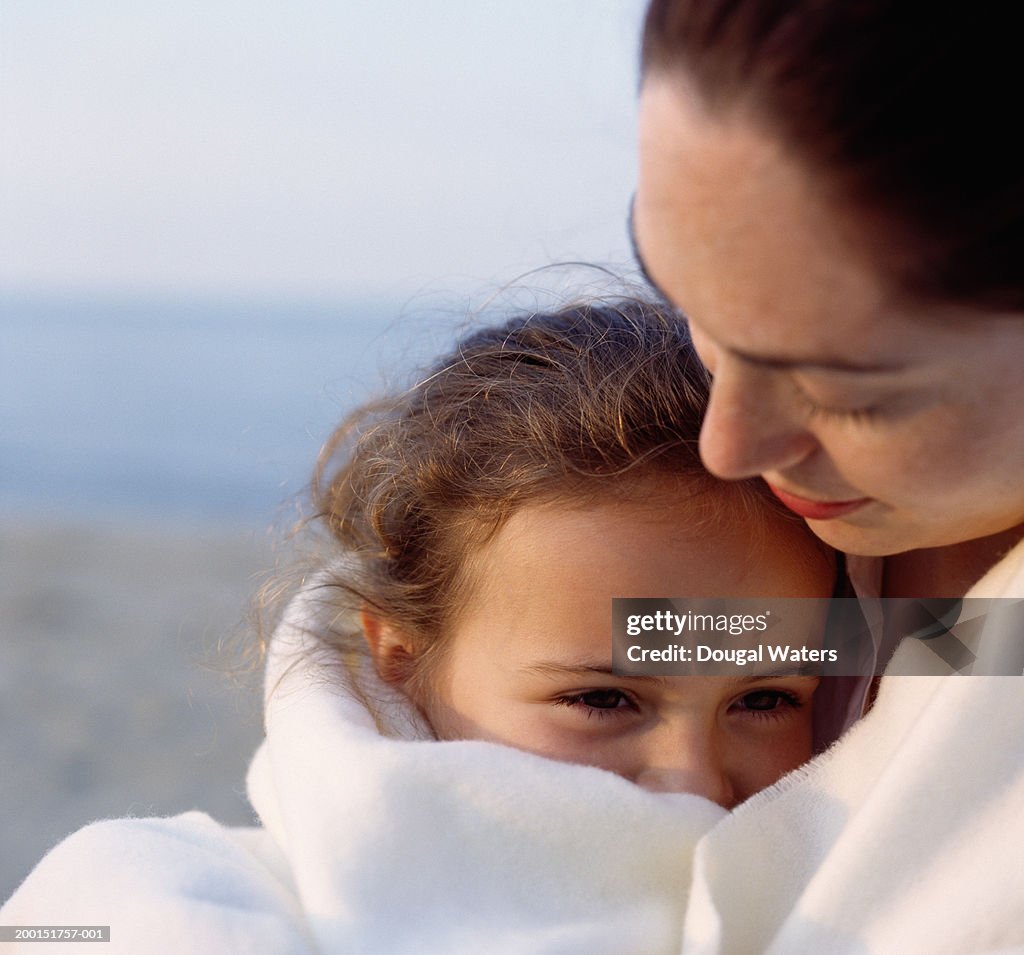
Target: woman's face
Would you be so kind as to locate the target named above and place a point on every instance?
(888, 426)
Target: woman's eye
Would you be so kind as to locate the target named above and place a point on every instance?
(859, 415)
(762, 701)
(846, 410)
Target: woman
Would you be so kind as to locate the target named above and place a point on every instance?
(833, 195)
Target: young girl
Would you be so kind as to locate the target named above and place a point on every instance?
(487, 516)
(479, 525)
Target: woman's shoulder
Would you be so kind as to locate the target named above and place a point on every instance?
(184, 883)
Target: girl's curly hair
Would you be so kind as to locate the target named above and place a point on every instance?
(578, 405)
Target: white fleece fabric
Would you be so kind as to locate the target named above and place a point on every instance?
(907, 836)
(377, 838)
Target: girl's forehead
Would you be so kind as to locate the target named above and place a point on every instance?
(568, 560)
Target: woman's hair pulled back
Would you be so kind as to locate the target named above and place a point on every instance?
(906, 110)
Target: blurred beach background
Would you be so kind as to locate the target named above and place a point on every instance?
(223, 224)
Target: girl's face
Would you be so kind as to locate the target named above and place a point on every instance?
(529, 659)
(888, 426)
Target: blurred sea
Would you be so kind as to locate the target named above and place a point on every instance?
(150, 457)
(185, 411)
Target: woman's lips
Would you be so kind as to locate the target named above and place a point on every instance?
(817, 510)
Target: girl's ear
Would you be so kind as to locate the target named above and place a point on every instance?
(390, 648)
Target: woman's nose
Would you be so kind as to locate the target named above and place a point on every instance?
(687, 760)
(750, 427)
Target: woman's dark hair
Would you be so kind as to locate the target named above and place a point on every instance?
(584, 404)
(907, 108)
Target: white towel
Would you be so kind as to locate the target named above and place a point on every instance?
(906, 837)
(387, 844)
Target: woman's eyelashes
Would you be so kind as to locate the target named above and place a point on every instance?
(851, 415)
(843, 412)
(839, 411)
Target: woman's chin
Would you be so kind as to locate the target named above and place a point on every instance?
(875, 539)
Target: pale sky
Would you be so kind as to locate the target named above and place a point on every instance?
(311, 148)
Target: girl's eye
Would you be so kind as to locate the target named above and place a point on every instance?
(598, 701)
(603, 699)
(764, 701)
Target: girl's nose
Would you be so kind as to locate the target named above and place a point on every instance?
(706, 782)
(750, 428)
(686, 759)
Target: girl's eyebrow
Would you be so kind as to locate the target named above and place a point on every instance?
(804, 670)
(554, 668)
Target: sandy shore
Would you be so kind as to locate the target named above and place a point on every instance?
(112, 699)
